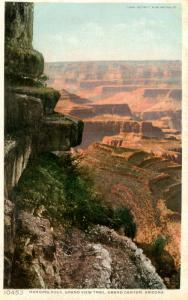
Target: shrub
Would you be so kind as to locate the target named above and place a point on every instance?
(159, 244)
(59, 185)
(84, 204)
(66, 190)
(123, 217)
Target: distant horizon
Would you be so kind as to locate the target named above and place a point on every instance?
(107, 31)
(112, 60)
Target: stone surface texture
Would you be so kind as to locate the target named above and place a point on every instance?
(30, 127)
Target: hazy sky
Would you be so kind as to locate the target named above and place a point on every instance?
(91, 31)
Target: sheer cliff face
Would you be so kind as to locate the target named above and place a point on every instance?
(21, 60)
(19, 20)
(29, 117)
(99, 129)
(31, 127)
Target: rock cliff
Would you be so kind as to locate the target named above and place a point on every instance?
(22, 62)
(31, 127)
(74, 259)
(81, 107)
(95, 129)
(30, 124)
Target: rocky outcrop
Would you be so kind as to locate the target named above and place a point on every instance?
(152, 140)
(58, 133)
(88, 84)
(148, 130)
(173, 197)
(22, 62)
(35, 264)
(84, 108)
(31, 127)
(176, 94)
(113, 109)
(48, 96)
(93, 110)
(144, 128)
(142, 275)
(9, 238)
(175, 117)
(98, 128)
(30, 124)
(156, 92)
(22, 111)
(19, 24)
(54, 133)
(67, 96)
(101, 267)
(47, 257)
(118, 89)
(17, 153)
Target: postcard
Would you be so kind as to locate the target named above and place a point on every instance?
(94, 130)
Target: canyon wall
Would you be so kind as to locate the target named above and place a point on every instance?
(142, 90)
(97, 129)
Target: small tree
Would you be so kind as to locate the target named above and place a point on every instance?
(83, 204)
(159, 244)
(123, 217)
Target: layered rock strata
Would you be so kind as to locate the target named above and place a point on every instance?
(98, 128)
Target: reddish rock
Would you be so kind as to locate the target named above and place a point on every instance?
(148, 130)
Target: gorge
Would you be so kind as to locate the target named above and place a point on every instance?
(92, 169)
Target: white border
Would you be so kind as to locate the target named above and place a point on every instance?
(182, 293)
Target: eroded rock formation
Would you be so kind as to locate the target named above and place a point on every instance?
(106, 128)
(31, 126)
(50, 259)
